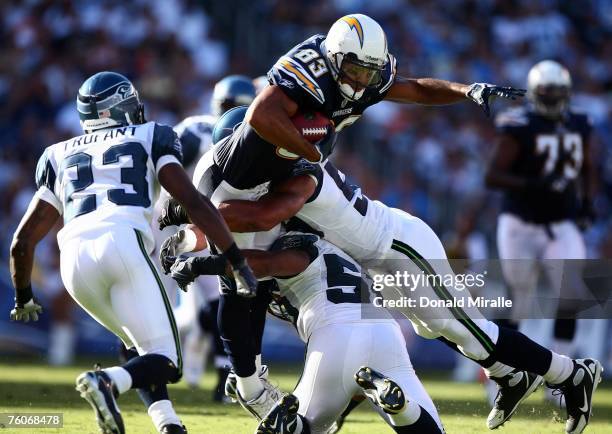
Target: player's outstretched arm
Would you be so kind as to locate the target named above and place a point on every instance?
(203, 214)
(35, 224)
(270, 115)
(280, 204)
(282, 263)
(432, 91)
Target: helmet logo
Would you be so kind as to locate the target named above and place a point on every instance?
(354, 23)
(125, 90)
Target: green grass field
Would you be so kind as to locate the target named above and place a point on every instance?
(30, 387)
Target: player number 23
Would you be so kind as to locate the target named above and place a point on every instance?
(134, 176)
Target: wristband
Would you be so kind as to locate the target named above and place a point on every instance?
(23, 295)
(234, 255)
(209, 265)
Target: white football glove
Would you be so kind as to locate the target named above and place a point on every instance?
(25, 312)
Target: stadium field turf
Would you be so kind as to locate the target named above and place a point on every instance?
(35, 387)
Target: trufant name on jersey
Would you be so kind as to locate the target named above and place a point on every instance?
(101, 136)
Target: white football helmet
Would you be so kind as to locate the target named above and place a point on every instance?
(356, 48)
(548, 88)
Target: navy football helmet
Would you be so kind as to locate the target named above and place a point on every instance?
(230, 92)
(228, 123)
(108, 100)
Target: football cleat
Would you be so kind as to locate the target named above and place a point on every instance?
(173, 428)
(282, 418)
(231, 385)
(578, 392)
(513, 389)
(261, 405)
(98, 390)
(382, 391)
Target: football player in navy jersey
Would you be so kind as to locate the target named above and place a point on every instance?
(543, 166)
(200, 304)
(340, 75)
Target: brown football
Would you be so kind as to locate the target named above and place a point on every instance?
(313, 126)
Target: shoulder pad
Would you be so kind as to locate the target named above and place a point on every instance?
(45, 173)
(296, 71)
(165, 142)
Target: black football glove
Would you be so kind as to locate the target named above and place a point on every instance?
(246, 283)
(173, 214)
(484, 93)
(182, 271)
(168, 250)
(326, 144)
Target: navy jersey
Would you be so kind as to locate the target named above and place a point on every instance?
(304, 76)
(547, 147)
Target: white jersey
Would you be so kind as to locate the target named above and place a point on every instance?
(361, 227)
(332, 290)
(108, 177)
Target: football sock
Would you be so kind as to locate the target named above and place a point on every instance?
(121, 378)
(237, 333)
(560, 369)
(498, 370)
(517, 350)
(162, 413)
(258, 364)
(249, 387)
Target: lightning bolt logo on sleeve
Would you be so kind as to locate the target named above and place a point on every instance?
(302, 77)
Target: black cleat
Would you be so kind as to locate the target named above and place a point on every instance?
(382, 391)
(98, 390)
(282, 418)
(514, 388)
(173, 428)
(578, 392)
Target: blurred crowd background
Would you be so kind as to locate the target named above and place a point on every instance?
(427, 161)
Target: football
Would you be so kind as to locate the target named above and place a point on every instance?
(312, 125)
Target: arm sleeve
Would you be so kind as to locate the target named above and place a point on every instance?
(165, 147)
(388, 78)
